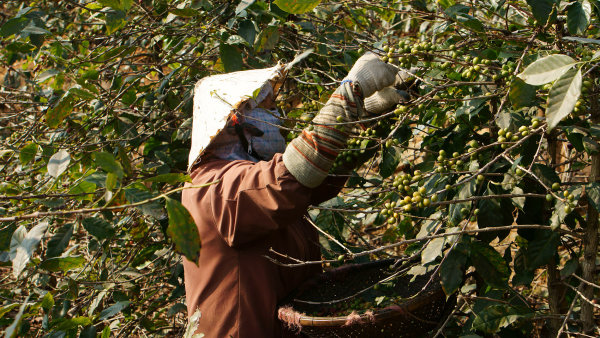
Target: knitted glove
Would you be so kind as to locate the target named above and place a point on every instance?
(310, 156)
(384, 100)
(372, 74)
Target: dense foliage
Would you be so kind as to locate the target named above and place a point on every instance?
(488, 173)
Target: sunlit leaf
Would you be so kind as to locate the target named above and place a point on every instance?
(297, 6)
(48, 301)
(563, 96)
(547, 69)
(23, 244)
(70, 323)
(58, 163)
(63, 264)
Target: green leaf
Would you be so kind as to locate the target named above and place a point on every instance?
(83, 187)
(47, 301)
(56, 114)
(12, 331)
(592, 191)
(496, 316)
(297, 6)
(59, 241)
(137, 192)
(582, 40)
(389, 162)
(6, 233)
(522, 94)
(108, 163)
(578, 17)
(523, 274)
(460, 13)
(171, 178)
(184, 12)
(63, 324)
(98, 227)
(14, 26)
(563, 96)
(452, 271)
(546, 174)
(88, 332)
(446, 3)
(115, 20)
(82, 93)
(267, 39)
(570, 268)
(547, 69)
(231, 57)
(183, 230)
(106, 332)
(58, 163)
(542, 249)
(111, 181)
(113, 309)
(28, 152)
(6, 309)
(542, 9)
(63, 264)
(489, 264)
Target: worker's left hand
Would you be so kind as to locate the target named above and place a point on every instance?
(372, 74)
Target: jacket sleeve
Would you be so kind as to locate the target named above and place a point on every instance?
(253, 199)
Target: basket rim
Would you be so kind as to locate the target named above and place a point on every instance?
(377, 314)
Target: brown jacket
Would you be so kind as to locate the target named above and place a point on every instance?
(254, 207)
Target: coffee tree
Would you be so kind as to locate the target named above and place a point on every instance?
(487, 173)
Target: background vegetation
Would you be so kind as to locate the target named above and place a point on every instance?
(488, 174)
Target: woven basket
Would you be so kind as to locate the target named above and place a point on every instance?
(419, 312)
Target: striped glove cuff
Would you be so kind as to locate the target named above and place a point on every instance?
(310, 156)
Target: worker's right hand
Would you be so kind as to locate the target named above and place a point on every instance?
(372, 74)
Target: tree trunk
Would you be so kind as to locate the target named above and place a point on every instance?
(556, 290)
(590, 240)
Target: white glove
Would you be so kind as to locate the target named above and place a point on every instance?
(372, 74)
(384, 100)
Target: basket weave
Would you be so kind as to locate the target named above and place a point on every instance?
(414, 317)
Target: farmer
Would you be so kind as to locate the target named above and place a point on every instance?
(263, 190)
